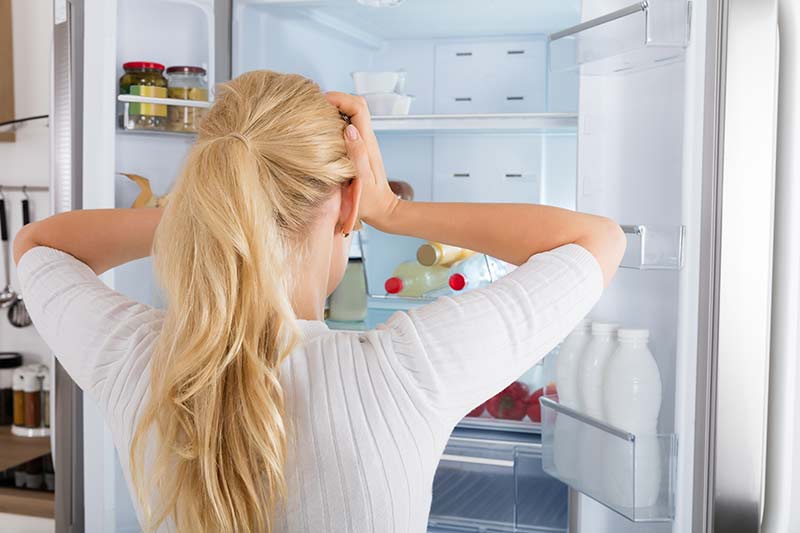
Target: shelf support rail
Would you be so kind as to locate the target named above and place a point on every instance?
(614, 15)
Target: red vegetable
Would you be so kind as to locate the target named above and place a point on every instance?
(534, 407)
(478, 411)
(510, 403)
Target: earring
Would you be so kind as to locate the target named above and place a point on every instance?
(345, 235)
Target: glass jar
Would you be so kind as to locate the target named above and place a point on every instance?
(186, 83)
(143, 78)
(8, 362)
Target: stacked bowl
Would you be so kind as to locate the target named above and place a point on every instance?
(383, 91)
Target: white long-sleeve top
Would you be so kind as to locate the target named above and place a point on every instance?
(370, 412)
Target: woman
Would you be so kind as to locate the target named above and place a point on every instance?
(236, 408)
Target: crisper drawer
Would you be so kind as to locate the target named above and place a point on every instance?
(496, 485)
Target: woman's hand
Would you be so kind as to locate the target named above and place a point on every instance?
(378, 202)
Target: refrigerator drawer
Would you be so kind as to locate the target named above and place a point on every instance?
(484, 485)
(633, 475)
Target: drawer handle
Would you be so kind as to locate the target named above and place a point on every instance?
(463, 54)
(461, 175)
(513, 175)
(477, 460)
(463, 99)
(515, 98)
(515, 52)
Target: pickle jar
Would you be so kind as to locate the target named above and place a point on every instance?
(186, 83)
(143, 78)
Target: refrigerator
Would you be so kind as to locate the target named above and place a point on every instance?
(676, 118)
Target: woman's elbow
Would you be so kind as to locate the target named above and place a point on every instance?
(613, 246)
(24, 241)
(606, 242)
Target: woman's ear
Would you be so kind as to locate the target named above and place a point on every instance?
(348, 211)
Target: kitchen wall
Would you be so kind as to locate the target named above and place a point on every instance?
(26, 161)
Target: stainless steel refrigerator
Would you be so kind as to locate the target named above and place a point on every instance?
(678, 119)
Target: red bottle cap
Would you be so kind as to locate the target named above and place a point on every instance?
(458, 282)
(393, 285)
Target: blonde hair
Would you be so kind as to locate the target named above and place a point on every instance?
(268, 154)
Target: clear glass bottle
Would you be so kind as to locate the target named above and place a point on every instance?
(186, 83)
(143, 78)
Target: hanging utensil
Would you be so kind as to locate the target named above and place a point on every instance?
(18, 314)
(7, 296)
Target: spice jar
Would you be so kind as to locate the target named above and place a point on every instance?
(186, 83)
(33, 399)
(18, 391)
(46, 400)
(8, 362)
(143, 78)
(33, 474)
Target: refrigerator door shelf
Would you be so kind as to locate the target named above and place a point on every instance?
(642, 35)
(654, 247)
(496, 485)
(633, 475)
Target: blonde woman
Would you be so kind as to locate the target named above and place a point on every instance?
(236, 408)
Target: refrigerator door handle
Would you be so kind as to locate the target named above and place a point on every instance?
(783, 432)
(66, 111)
(737, 408)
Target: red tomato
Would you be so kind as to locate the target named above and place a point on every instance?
(510, 403)
(478, 411)
(534, 407)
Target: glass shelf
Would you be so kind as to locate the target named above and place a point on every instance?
(533, 123)
(633, 475)
(642, 35)
(654, 247)
(189, 113)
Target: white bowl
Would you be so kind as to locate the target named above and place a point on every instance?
(388, 103)
(379, 82)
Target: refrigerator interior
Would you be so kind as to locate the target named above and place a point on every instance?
(488, 81)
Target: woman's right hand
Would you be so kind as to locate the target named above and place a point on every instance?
(378, 202)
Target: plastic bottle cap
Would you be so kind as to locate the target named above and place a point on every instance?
(604, 328)
(427, 255)
(457, 282)
(393, 285)
(584, 326)
(633, 334)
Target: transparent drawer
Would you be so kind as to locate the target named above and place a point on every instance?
(654, 247)
(632, 475)
(496, 485)
(642, 35)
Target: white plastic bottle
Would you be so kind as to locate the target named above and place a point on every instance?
(632, 401)
(592, 367)
(569, 355)
(567, 431)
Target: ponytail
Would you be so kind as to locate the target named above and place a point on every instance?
(215, 415)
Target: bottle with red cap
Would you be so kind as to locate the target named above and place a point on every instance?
(470, 273)
(415, 280)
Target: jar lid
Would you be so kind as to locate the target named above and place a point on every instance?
(138, 65)
(185, 69)
(33, 381)
(10, 360)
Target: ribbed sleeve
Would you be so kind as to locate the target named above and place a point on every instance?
(369, 412)
(461, 350)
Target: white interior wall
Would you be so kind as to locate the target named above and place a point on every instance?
(27, 161)
(630, 157)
